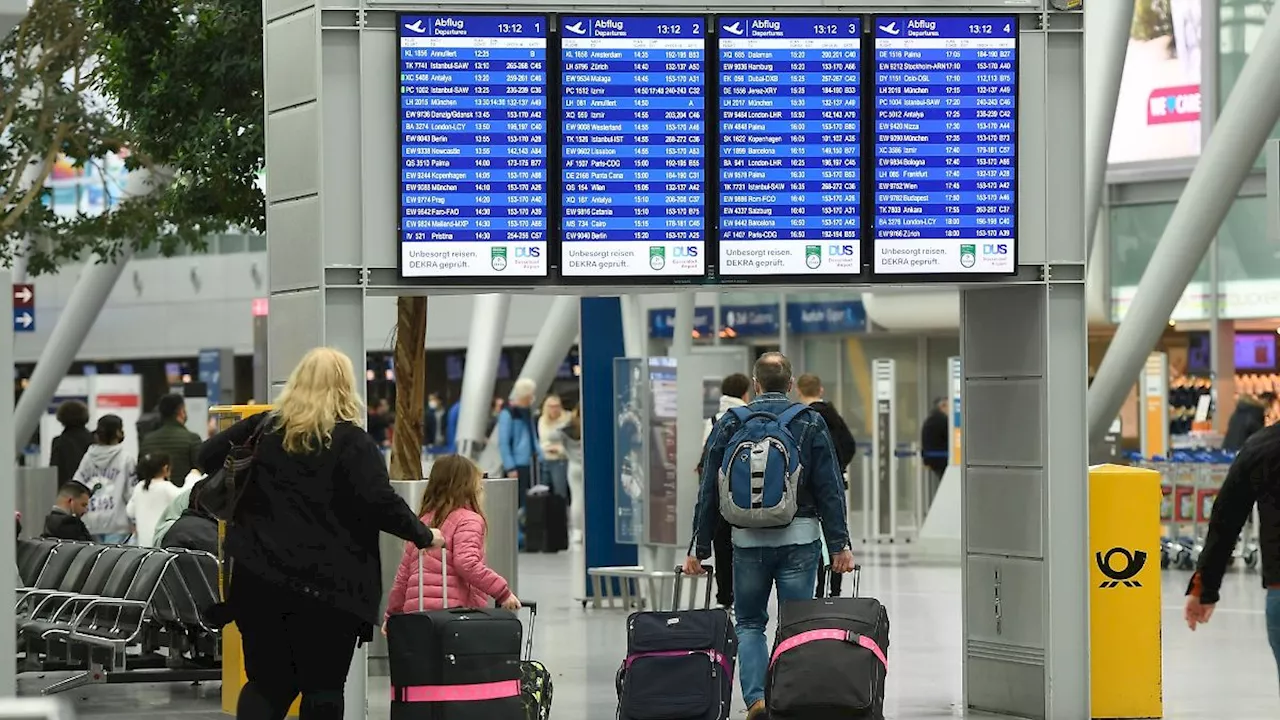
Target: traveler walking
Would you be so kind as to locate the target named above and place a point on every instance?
(153, 494)
(304, 535)
(110, 473)
(173, 439)
(552, 441)
(770, 470)
(735, 391)
(518, 436)
(935, 445)
(1249, 417)
(1254, 478)
(809, 387)
(68, 449)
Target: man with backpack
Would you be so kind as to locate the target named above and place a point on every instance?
(771, 471)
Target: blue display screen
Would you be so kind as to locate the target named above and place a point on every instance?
(634, 158)
(790, 145)
(473, 146)
(946, 144)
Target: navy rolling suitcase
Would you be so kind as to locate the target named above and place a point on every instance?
(455, 663)
(830, 659)
(679, 664)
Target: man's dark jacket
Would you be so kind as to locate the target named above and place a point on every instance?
(68, 450)
(841, 437)
(65, 526)
(194, 530)
(1254, 479)
(182, 446)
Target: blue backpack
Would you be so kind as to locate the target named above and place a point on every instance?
(761, 469)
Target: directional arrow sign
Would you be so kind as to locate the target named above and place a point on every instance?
(24, 295)
(24, 320)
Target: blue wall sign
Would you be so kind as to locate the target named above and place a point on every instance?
(750, 320)
(209, 372)
(662, 322)
(814, 318)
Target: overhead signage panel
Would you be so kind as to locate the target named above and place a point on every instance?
(633, 106)
(945, 139)
(790, 122)
(473, 147)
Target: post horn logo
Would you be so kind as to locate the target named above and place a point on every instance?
(1133, 564)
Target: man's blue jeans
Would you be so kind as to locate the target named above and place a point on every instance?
(1273, 622)
(794, 568)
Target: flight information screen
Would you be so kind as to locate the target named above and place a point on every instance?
(473, 146)
(633, 146)
(790, 129)
(946, 144)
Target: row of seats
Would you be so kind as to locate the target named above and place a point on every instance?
(116, 613)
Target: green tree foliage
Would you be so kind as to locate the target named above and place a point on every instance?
(49, 106)
(1151, 19)
(186, 77)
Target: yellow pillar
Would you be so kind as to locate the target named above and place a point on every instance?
(1124, 592)
(233, 674)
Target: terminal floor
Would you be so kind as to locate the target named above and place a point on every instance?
(1223, 671)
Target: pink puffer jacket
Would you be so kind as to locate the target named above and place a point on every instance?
(471, 582)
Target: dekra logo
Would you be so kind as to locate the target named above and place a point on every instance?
(1000, 249)
(689, 251)
(838, 250)
(529, 252)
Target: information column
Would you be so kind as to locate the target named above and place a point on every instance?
(473, 146)
(790, 168)
(634, 106)
(946, 145)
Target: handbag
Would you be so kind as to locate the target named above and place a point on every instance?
(218, 495)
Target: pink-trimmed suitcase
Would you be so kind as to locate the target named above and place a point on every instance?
(455, 663)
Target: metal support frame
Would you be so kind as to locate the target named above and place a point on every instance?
(484, 350)
(1106, 39)
(331, 213)
(1244, 125)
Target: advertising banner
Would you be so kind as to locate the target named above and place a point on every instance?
(631, 405)
(1158, 111)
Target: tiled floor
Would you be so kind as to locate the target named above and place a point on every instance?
(1223, 672)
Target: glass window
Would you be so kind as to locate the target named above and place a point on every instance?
(1135, 232)
(1240, 26)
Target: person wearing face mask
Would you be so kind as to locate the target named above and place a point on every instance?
(433, 422)
(110, 472)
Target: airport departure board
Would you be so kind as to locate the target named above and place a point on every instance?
(473, 146)
(945, 139)
(790, 142)
(633, 146)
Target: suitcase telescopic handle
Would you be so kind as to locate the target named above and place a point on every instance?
(707, 571)
(829, 576)
(444, 574)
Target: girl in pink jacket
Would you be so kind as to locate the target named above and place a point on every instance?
(453, 494)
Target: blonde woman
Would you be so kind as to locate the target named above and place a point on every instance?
(307, 583)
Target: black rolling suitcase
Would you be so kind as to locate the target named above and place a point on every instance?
(679, 664)
(830, 659)
(455, 663)
(546, 522)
